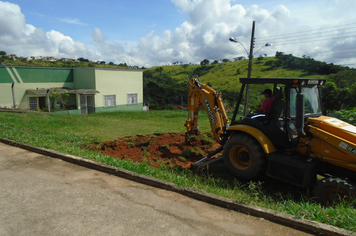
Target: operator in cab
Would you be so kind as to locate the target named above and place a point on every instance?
(267, 103)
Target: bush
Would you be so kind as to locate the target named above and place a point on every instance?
(200, 71)
(348, 116)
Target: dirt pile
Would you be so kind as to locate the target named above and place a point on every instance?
(159, 149)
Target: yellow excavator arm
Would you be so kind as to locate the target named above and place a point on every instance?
(202, 95)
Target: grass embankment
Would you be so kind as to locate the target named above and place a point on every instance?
(224, 76)
(68, 133)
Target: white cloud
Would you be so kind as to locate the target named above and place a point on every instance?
(204, 34)
(75, 21)
(98, 36)
(210, 23)
(28, 29)
(12, 21)
(26, 40)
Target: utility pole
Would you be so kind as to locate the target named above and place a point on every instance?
(250, 57)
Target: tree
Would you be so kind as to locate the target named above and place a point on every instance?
(2, 53)
(111, 63)
(239, 58)
(260, 58)
(81, 59)
(57, 98)
(204, 62)
(185, 66)
(343, 78)
(215, 62)
(147, 74)
(159, 70)
(102, 62)
(123, 64)
(225, 60)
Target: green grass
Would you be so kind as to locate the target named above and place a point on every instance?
(68, 133)
(223, 76)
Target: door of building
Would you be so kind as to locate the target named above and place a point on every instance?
(87, 105)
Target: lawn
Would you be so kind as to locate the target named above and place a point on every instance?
(69, 133)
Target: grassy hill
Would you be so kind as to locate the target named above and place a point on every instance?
(224, 76)
(164, 85)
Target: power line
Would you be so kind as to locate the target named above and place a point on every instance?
(298, 33)
(301, 37)
(329, 36)
(228, 53)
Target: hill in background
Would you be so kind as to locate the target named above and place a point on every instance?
(167, 85)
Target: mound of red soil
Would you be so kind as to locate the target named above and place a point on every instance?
(159, 149)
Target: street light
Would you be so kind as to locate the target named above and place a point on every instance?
(266, 45)
(250, 57)
(232, 39)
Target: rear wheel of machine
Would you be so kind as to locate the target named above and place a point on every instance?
(245, 157)
(332, 191)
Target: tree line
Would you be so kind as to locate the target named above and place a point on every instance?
(338, 92)
(305, 63)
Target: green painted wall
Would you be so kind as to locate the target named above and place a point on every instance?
(35, 75)
(5, 76)
(45, 75)
(136, 107)
(84, 78)
(71, 112)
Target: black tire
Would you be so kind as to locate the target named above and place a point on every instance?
(245, 157)
(332, 190)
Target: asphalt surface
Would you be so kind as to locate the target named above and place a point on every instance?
(41, 195)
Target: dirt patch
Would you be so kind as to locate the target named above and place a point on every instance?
(159, 149)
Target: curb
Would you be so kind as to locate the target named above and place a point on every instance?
(309, 226)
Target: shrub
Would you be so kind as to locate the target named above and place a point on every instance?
(348, 116)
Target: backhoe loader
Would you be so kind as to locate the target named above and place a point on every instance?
(294, 142)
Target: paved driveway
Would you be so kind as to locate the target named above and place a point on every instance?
(40, 195)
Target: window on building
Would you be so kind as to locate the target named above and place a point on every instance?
(110, 100)
(132, 98)
(33, 103)
(37, 102)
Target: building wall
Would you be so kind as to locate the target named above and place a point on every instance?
(114, 82)
(84, 78)
(118, 82)
(25, 78)
(44, 75)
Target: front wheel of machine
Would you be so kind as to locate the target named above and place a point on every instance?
(332, 191)
(245, 157)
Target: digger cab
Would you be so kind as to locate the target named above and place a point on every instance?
(295, 100)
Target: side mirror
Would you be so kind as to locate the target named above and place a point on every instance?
(300, 115)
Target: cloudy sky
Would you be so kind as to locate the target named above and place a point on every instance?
(160, 32)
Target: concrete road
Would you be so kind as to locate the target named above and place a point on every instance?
(40, 195)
